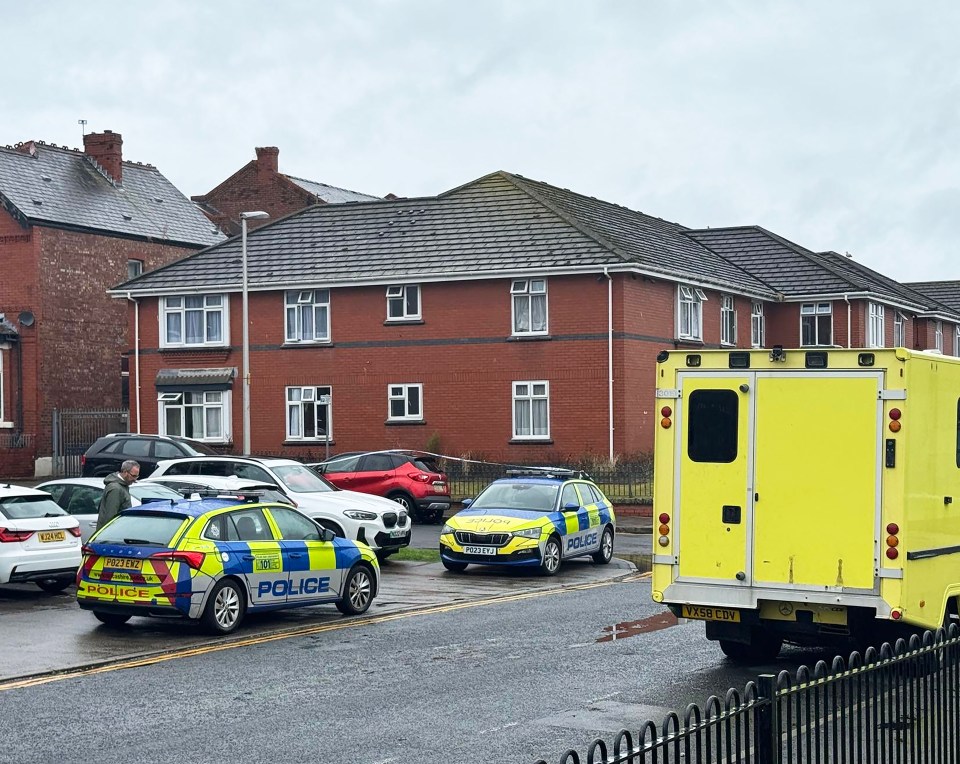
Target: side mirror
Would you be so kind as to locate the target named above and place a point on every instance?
(466, 503)
(327, 535)
(571, 507)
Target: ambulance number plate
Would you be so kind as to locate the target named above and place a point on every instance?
(704, 613)
(490, 550)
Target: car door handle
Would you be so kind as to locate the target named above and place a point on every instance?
(295, 555)
(247, 556)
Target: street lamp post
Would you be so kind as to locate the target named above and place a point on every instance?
(244, 217)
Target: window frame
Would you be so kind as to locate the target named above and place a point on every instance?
(938, 335)
(757, 325)
(400, 294)
(327, 405)
(530, 397)
(899, 329)
(400, 391)
(166, 310)
(296, 300)
(813, 309)
(728, 320)
(689, 312)
(134, 264)
(875, 325)
(523, 294)
(166, 398)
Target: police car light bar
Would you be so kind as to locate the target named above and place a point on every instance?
(547, 472)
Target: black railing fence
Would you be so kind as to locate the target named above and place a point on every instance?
(893, 705)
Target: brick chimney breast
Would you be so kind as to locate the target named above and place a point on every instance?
(267, 160)
(107, 149)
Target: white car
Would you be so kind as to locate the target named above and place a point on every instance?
(80, 497)
(188, 486)
(381, 524)
(39, 542)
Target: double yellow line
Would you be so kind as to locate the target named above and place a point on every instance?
(150, 660)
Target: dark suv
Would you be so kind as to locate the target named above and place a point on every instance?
(109, 452)
(410, 478)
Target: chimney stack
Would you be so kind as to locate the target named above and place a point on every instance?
(267, 163)
(107, 149)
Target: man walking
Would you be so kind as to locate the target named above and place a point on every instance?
(116, 495)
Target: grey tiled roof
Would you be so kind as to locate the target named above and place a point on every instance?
(798, 273)
(63, 187)
(187, 377)
(330, 194)
(944, 292)
(498, 224)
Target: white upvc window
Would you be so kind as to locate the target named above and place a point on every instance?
(405, 403)
(816, 324)
(403, 302)
(307, 315)
(757, 328)
(531, 410)
(898, 330)
(938, 336)
(956, 346)
(309, 411)
(728, 321)
(529, 305)
(193, 320)
(875, 325)
(690, 312)
(201, 415)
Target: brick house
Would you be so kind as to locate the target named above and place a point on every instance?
(259, 185)
(73, 224)
(505, 317)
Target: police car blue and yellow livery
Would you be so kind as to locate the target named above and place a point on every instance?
(214, 560)
(535, 520)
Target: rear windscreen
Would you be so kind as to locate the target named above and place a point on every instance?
(29, 507)
(712, 426)
(141, 529)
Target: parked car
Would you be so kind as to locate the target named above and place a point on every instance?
(409, 478)
(377, 522)
(215, 485)
(107, 454)
(39, 542)
(213, 560)
(531, 519)
(80, 497)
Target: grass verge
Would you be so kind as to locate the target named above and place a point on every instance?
(416, 555)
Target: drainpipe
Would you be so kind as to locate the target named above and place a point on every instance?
(609, 357)
(136, 354)
(849, 338)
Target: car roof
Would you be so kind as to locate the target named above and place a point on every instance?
(214, 481)
(192, 507)
(264, 460)
(9, 489)
(94, 481)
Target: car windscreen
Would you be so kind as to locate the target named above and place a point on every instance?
(29, 507)
(535, 496)
(141, 529)
(301, 479)
(153, 491)
(196, 448)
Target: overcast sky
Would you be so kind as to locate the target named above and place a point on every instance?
(834, 124)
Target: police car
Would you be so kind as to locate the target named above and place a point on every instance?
(215, 559)
(531, 519)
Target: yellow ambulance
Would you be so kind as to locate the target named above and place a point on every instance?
(806, 495)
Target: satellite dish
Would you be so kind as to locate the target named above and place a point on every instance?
(26, 318)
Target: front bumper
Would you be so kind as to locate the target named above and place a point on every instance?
(379, 537)
(528, 556)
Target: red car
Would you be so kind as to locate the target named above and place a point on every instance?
(413, 480)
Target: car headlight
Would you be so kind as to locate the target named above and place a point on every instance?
(360, 514)
(528, 533)
(445, 530)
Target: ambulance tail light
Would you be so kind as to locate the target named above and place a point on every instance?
(193, 559)
(664, 529)
(893, 541)
(665, 413)
(895, 423)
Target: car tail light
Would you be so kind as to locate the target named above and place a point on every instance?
(193, 559)
(83, 460)
(75, 531)
(422, 477)
(86, 549)
(7, 536)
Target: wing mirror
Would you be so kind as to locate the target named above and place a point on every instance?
(466, 503)
(571, 507)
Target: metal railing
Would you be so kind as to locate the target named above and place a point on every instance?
(893, 705)
(75, 430)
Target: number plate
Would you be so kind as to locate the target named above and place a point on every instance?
(47, 536)
(704, 613)
(124, 563)
(489, 550)
(397, 534)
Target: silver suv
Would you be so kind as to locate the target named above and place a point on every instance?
(379, 523)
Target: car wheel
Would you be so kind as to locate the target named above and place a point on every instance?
(454, 567)
(404, 501)
(762, 647)
(383, 554)
(605, 553)
(357, 591)
(337, 530)
(54, 585)
(225, 608)
(437, 516)
(110, 619)
(550, 563)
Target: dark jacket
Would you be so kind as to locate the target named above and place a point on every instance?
(116, 497)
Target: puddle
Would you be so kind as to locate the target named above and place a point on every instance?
(632, 628)
(643, 562)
